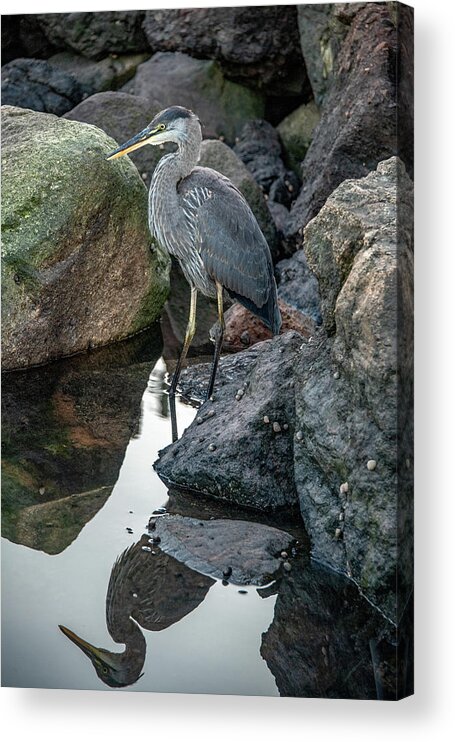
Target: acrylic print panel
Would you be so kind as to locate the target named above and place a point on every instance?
(257, 542)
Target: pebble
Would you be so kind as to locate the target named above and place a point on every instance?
(130, 530)
(371, 465)
(242, 592)
(42, 490)
(344, 488)
(341, 517)
(338, 533)
(210, 413)
(287, 566)
(299, 436)
(285, 426)
(276, 427)
(266, 419)
(227, 572)
(134, 595)
(159, 511)
(211, 447)
(245, 337)
(336, 375)
(284, 554)
(146, 548)
(199, 420)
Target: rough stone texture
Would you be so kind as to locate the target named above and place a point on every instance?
(244, 329)
(296, 133)
(322, 29)
(325, 641)
(95, 34)
(259, 148)
(248, 550)
(22, 36)
(346, 390)
(65, 430)
(93, 76)
(358, 127)
(298, 286)
(219, 156)
(256, 46)
(36, 84)
(120, 116)
(222, 106)
(77, 269)
(250, 465)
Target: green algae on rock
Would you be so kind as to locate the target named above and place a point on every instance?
(79, 268)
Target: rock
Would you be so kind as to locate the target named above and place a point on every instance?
(92, 76)
(219, 156)
(120, 116)
(66, 427)
(258, 46)
(298, 286)
(36, 84)
(252, 466)
(325, 641)
(95, 34)
(241, 551)
(244, 329)
(22, 36)
(296, 133)
(222, 106)
(344, 420)
(259, 148)
(77, 270)
(322, 29)
(358, 127)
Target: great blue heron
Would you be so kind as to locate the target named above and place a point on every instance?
(201, 218)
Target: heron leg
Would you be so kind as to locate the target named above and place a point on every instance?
(219, 339)
(189, 335)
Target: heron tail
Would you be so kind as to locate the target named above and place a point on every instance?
(269, 313)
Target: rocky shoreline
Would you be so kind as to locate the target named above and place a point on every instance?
(299, 106)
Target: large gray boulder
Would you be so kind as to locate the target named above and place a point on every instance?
(95, 76)
(174, 78)
(358, 128)
(95, 34)
(36, 84)
(77, 267)
(255, 46)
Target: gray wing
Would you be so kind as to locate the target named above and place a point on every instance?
(233, 249)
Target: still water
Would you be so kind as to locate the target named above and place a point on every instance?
(79, 441)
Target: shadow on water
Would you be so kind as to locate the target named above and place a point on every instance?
(75, 446)
(65, 430)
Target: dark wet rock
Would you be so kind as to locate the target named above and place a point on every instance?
(239, 551)
(244, 329)
(222, 106)
(347, 387)
(296, 133)
(36, 84)
(22, 36)
(94, 76)
(219, 156)
(256, 46)
(252, 466)
(326, 641)
(120, 116)
(298, 286)
(65, 430)
(358, 127)
(95, 34)
(322, 29)
(77, 269)
(258, 146)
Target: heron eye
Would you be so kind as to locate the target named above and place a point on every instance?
(105, 670)
(162, 127)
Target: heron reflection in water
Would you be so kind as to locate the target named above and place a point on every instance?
(148, 591)
(202, 219)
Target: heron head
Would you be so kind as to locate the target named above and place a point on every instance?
(108, 665)
(174, 124)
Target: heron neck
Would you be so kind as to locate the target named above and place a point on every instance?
(188, 153)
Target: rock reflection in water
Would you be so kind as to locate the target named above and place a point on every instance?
(65, 430)
(147, 589)
(326, 641)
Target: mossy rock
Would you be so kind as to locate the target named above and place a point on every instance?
(296, 133)
(79, 269)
